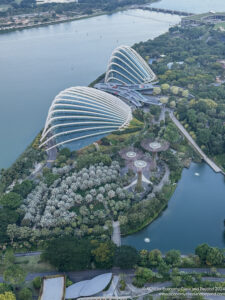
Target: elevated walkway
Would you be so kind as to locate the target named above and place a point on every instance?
(194, 145)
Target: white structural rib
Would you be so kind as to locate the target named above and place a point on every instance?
(81, 112)
(128, 67)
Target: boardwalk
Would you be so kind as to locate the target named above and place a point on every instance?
(116, 236)
(193, 143)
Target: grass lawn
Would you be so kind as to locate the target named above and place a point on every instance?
(33, 264)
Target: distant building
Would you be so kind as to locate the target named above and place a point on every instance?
(207, 18)
(55, 1)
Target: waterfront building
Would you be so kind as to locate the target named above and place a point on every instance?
(80, 116)
(127, 67)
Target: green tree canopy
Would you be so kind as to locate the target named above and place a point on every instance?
(14, 275)
(173, 257)
(103, 254)
(11, 200)
(24, 188)
(7, 296)
(25, 294)
(126, 257)
(68, 254)
(202, 251)
(155, 258)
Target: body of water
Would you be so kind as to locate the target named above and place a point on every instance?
(36, 64)
(195, 215)
(193, 6)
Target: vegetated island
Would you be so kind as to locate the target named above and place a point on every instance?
(18, 15)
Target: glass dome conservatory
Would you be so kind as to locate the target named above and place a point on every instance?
(126, 66)
(79, 116)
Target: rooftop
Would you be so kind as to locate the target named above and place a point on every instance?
(53, 287)
(88, 287)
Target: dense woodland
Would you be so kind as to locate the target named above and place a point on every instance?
(200, 50)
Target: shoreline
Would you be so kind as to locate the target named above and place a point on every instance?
(71, 19)
(155, 217)
(3, 31)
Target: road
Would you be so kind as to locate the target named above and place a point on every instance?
(28, 254)
(116, 236)
(193, 143)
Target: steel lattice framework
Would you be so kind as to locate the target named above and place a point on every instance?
(126, 66)
(79, 113)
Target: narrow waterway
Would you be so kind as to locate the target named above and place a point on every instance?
(195, 214)
(36, 64)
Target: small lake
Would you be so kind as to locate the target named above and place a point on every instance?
(193, 6)
(195, 214)
(36, 64)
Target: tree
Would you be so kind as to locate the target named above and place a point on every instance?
(37, 282)
(11, 200)
(214, 257)
(163, 269)
(5, 288)
(175, 90)
(176, 281)
(145, 274)
(185, 93)
(14, 275)
(157, 90)
(66, 152)
(68, 254)
(144, 258)
(155, 258)
(202, 251)
(165, 87)
(172, 104)
(25, 294)
(103, 254)
(126, 257)
(171, 133)
(7, 296)
(164, 100)
(24, 188)
(173, 257)
(9, 258)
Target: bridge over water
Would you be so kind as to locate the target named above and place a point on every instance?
(166, 11)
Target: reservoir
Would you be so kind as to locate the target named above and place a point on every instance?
(36, 64)
(195, 215)
(192, 6)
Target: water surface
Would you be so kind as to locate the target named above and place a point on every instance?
(194, 6)
(195, 214)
